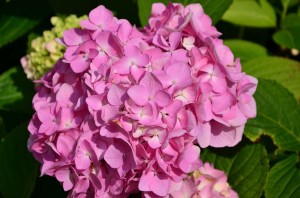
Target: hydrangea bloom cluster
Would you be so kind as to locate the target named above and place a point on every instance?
(125, 109)
(44, 51)
(205, 182)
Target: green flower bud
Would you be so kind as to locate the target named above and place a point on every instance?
(44, 51)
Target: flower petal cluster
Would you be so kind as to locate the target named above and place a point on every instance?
(44, 51)
(205, 182)
(125, 109)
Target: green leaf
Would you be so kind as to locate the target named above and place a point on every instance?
(18, 170)
(18, 17)
(215, 9)
(246, 165)
(283, 179)
(251, 13)
(285, 5)
(285, 71)
(246, 50)
(16, 91)
(278, 116)
(289, 36)
(2, 129)
(12, 27)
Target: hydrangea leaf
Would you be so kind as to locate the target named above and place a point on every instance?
(251, 13)
(246, 50)
(18, 170)
(18, 17)
(215, 9)
(246, 166)
(288, 36)
(12, 27)
(283, 179)
(285, 71)
(278, 116)
(16, 91)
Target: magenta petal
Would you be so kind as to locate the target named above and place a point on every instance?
(64, 175)
(80, 64)
(114, 156)
(66, 95)
(94, 102)
(65, 144)
(82, 160)
(73, 37)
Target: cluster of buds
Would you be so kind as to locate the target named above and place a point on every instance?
(127, 110)
(44, 51)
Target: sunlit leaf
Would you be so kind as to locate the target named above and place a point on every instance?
(278, 116)
(283, 70)
(246, 50)
(251, 13)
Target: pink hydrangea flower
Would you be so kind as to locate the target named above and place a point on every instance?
(127, 110)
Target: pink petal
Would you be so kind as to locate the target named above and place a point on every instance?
(86, 24)
(73, 37)
(114, 156)
(100, 15)
(160, 185)
(124, 31)
(204, 134)
(109, 112)
(222, 102)
(80, 64)
(174, 40)
(64, 175)
(222, 135)
(115, 95)
(122, 66)
(180, 74)
(154, 142)
(108, 43)
(94, 102)
(138, 94)
(162, 98)
(151, 83)
(66, 95)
